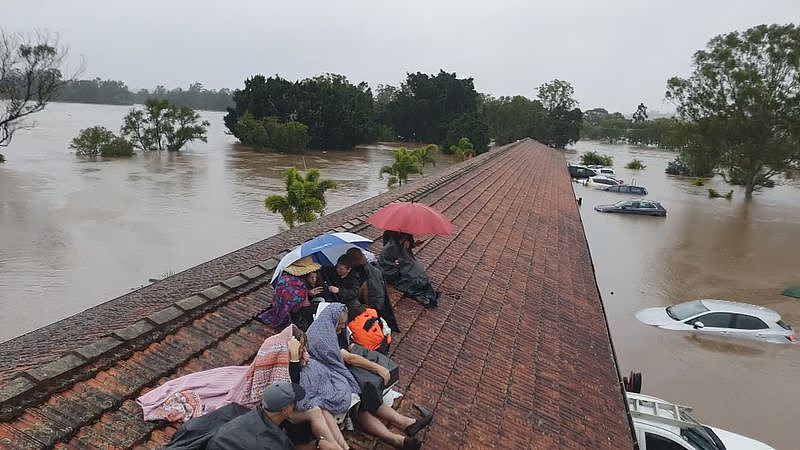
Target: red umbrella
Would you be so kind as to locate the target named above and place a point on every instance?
(412, 218)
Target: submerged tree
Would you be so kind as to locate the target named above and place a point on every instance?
(30, 77)
(641, 113)
(162, 125)
(305, 197)
(100, 141)
(743, 103)
(425, 154)
(405, 163)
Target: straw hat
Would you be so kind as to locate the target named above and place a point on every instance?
(302, 267)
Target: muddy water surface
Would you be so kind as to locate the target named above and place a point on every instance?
(75, 233)
(704, 248)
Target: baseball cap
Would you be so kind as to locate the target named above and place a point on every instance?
(281, 394)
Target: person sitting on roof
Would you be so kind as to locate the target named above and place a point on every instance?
(345, 287)
(330, 385)
(373, 286)
(367, 328)
(265, 426)
(293, 289)
(195, 396)
(402, 269)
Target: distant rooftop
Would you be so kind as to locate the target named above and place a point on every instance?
(517, 355)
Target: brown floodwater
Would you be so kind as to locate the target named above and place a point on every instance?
(704, 248)
(75, 232)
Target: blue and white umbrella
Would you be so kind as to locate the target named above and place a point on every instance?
(324, 249)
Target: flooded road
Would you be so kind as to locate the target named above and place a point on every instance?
(704, 248)
(75, 233)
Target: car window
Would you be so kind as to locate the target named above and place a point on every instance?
(613, 189)
(638, 190)
(656, 442)
(604, 181)
(624, 189)
(635, 205)
(714, 319)
(648, 205)
(745, 322)
(683, 310)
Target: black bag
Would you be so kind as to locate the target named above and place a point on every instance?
(371, 383)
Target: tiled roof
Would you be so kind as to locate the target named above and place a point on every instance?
(516, 356)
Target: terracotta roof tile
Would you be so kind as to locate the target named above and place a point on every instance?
(517, 355)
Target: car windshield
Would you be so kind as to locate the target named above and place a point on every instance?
(784, 325)
(684, 310)
(701, 438)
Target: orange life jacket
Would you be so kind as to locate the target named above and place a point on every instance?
(367, 331)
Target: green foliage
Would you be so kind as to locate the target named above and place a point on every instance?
(635, 164)
(304, 199)
(714, 194)
(513, 118)
(743, 102)
(472, 126)
(425, 154)
(557, 94)
(406, 162)
(698, 182)
(268, 132)
(162, 125)
(424, 107)
(384, 133)
(338, 114)
(100, 141)
(463, 150)
(2, 158)
(596, 159)
(640, 115)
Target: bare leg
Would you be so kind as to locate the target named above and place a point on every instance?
(388, 413)
(375, 427)
(319, 425)
(337, 433)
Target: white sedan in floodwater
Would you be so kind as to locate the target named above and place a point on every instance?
(721, 318)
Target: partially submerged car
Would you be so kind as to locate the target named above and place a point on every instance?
(603, 170)
(663, 425)
(721, 318)
(601, 182)
(580, 172)
(638, 207)
(627, 189)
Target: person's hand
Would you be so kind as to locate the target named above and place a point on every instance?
(333, 289)
(294, 349)
(316, 291)
(386, 375)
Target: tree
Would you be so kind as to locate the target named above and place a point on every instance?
(596, 159)
(563, 121)
(743, 102)
(100, 141)
(512, 118)
(162, 125)
(470, 125)
(405, 163)
(425, 106)
(557, 94)
(425, 154)
(641, 113)
(463, 150)
(304, 199)
(30, 77)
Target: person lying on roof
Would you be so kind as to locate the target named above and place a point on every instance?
(402, 269)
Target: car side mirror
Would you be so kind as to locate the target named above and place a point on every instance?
(698, 325)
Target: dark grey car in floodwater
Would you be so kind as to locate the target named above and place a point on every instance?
(627, 189)
(637, 207)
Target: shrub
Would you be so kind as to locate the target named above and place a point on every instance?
(269, 132)
(699, 182)
(714, 194)
(636, 164)
(596, 159)
(100, 141)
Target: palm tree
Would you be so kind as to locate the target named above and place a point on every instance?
(463, 150)
(305, 197)
(405, 163)
(425, 155)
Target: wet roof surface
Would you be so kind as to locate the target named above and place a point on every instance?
(516, 356)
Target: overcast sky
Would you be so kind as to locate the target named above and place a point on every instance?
(615, 53)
